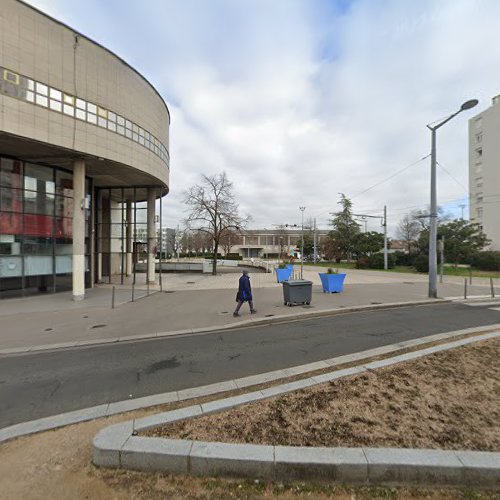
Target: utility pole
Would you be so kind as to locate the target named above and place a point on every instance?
(462, 207)
(385, 238)
(302, 244)
(315, 249)
(441, 248)
(384, 224)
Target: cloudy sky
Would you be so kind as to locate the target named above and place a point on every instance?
(298, 100)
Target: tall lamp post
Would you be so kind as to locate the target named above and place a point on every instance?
(433, 215)
(302, 244)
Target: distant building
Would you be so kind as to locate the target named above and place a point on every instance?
(270, 243)
(484, 171)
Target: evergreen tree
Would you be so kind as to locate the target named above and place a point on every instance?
(344, 230)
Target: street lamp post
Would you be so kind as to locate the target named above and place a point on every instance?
(433, 215)
(302, 244)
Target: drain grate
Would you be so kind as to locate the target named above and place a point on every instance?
(268, 315)
(48, 329)
(98, 326)
(191, 282)
(168, 291)
(375, 303)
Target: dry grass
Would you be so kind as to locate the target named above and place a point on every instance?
(449, 400)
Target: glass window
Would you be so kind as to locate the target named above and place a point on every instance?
(64, 206)
(55, 105)
(64, 183)
(80, 114)
(128, 133)
(34, 245)
(141, 132)
(38, 225)
(112, 126)
(111, 116)
(30, 96)
(91, 118)
(69, 110)
(42, 89)
(41, 100)
(91, 108)
(30, 84)
(120, 130)
(102, 112)
(69, 99)
(11, 200)
(128, 124)
(80, 103)
(120, 120)
(102, 122)
(135, 137)
(55, 94)
(135, 128)
(10, 173)
(141, 140)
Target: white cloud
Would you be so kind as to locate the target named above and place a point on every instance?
(299, 100)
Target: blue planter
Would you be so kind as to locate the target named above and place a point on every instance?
(332, 283)
(283, 274)
(289, 266)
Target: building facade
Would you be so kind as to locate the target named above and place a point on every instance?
(484, 171)
(84, 157)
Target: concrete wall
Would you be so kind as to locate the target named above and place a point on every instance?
(42, 49)
(484, 172)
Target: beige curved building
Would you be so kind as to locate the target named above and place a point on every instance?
(84, 138)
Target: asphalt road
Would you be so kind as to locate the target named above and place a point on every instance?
(48, 383)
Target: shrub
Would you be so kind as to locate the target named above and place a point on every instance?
(402, 258)
(487, 261)
(233, 256)
(282, 265)
(376, 261)
(421, 263)
(362, 263)
(332, 271)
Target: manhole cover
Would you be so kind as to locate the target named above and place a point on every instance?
(85, 316)
(98, 326)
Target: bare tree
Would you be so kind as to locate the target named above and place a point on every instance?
(213, 209)
(408, 230)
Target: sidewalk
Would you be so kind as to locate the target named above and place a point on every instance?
(195, 301)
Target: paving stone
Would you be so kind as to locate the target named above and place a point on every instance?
(145, 423)
(332, 464)
(284, 388)
(156, 454)
(226, 459)
(144, 402)
(206, 390)
(108, 442)
(410, 466)
(223, 404)
(481, 468)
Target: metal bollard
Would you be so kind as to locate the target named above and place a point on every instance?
(470, 275)
(492, 288)
(133, 291)
(465, 288)
(147, 282)
(113, 298)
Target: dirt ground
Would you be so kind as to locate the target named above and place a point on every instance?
(449, 400)
(57, 464)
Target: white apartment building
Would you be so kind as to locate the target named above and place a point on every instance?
(484, 171)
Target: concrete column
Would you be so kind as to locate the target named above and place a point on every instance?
(151, 235)
(128, 238)
(79, 230)
(99, 235)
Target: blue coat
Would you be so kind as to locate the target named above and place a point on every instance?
(244, 289)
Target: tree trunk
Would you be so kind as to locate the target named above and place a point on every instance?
(214, 267)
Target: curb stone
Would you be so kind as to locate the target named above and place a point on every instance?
(388, 466)
(106, 410)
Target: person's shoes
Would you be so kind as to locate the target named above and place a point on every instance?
(253, 311)
(235, 315)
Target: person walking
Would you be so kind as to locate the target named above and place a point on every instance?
(244, 293)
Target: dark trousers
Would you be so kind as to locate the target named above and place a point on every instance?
(240, 303)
